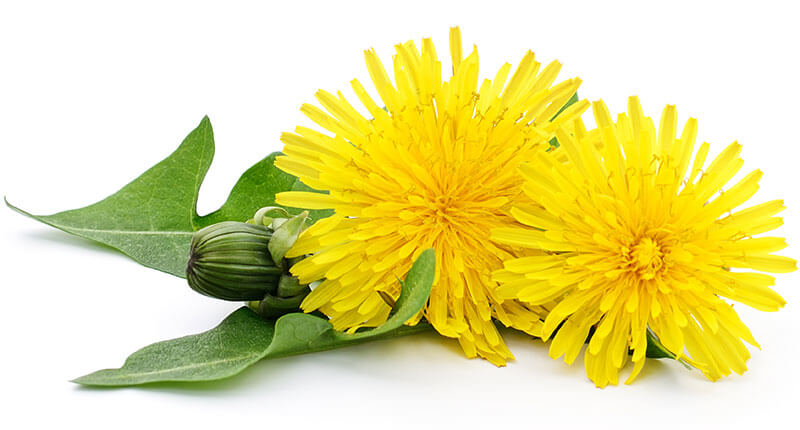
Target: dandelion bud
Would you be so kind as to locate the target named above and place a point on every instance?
(230, 261)
(245, 262)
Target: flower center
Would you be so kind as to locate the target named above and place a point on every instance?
(443, 203)
(647, 258)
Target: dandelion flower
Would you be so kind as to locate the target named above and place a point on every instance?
(436, 168)
(642, 243)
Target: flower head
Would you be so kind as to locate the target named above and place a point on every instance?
(642, 243)
(437, 168)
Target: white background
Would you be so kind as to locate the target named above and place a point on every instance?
(92, 94)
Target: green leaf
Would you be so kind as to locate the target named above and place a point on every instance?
(570, 102)
(243, 339)
(655, 349)
(152, 218)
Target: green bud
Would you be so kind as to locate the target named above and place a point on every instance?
(230, 261)
(245, 262)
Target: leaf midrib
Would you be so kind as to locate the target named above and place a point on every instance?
(125, 232)
(246, 357)
(96, 230)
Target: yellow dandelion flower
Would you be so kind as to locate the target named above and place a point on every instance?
(437, 168)
(640, 242)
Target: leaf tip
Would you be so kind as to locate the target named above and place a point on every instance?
(427, 253)
(83, 380)
(204, 127)
(90, 379)
(427, 256)
(16, 209)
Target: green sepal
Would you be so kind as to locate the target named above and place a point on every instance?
(274, 306)
(285, 235)
(289, 286)
(655, 349)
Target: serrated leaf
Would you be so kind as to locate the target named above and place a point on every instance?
(243, 338)
(152, 219)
